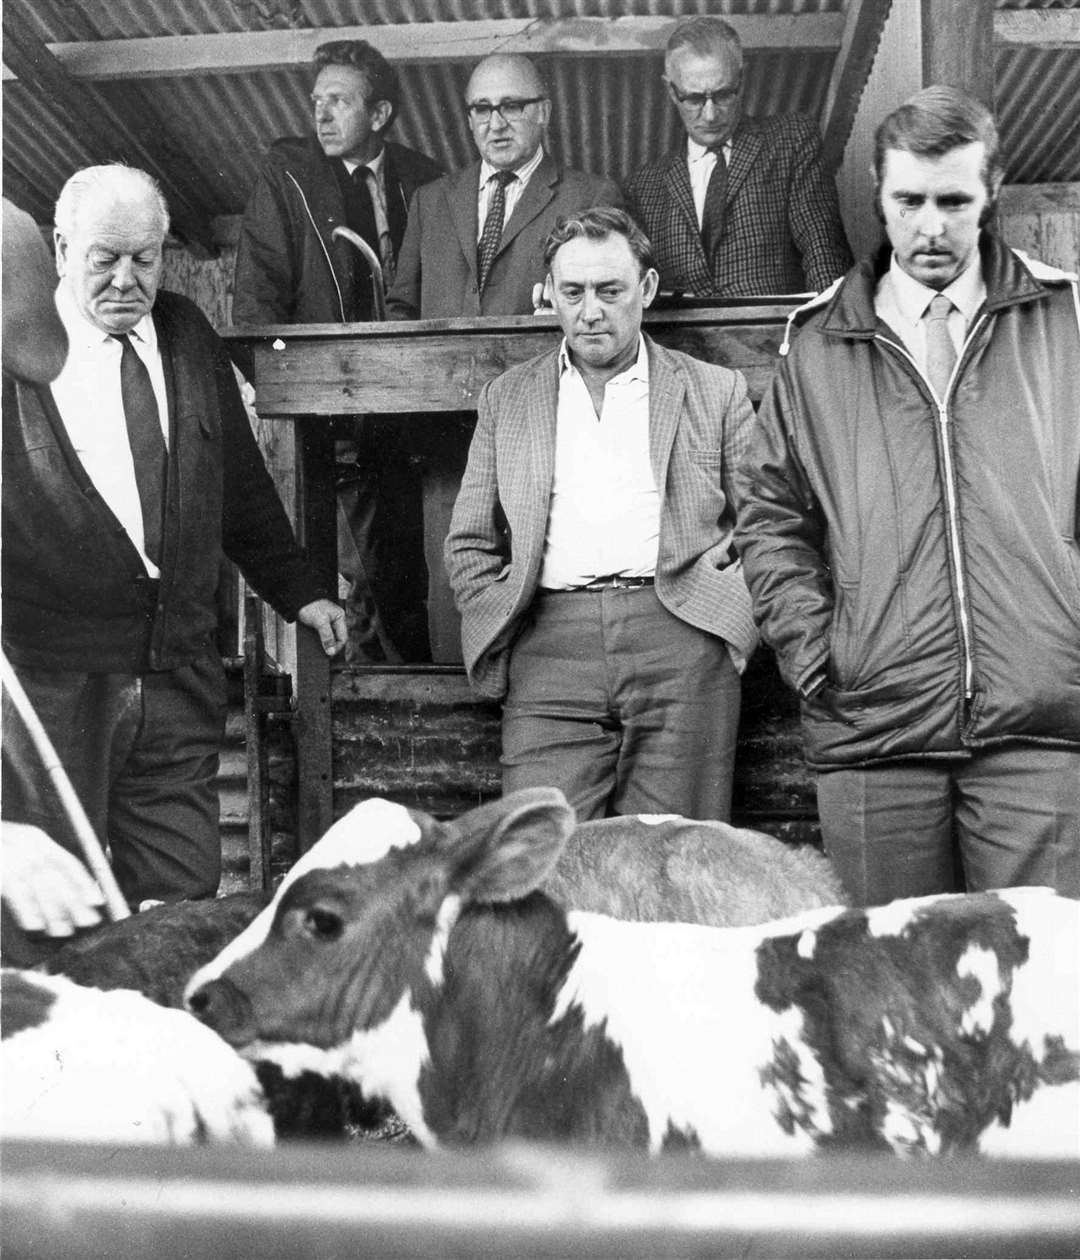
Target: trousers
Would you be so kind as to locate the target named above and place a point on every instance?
(1006, 816)
(623, 706)
(142, 753)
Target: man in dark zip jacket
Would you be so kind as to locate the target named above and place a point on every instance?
(291, 269)
(910, 533)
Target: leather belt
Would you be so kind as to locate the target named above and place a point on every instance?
(612, 583)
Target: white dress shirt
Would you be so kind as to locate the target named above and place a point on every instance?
(701, 163)
(88, 397)
(514, 189)
(902, 303)
(604, 512)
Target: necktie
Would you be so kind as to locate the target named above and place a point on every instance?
(940, 351)
(148, 448)
(712, 218)
(493, 225)
(363, 208)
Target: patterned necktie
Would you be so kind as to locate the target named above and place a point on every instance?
(493, 225)
(148, 449)
(940, 351)
(712, 218)
(363, 208)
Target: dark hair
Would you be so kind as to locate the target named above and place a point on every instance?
(706, 36)
(379, 75)
(935, 121)
(597, 224)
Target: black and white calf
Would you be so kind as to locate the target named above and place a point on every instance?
(434, 976)
(82, 1065)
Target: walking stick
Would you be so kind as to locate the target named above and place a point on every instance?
(84, 832)
(378, 293)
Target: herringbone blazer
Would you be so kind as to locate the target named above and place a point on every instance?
(700, 421)
(436, 269)
(782, 226)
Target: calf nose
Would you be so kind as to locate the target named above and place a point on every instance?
(221, 1006)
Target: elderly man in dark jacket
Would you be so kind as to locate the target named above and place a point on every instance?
(123, 483)
(910, 533)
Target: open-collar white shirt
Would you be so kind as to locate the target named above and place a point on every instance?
(604, 511)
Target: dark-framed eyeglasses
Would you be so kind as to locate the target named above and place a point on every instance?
(722, 98)
(511, 110)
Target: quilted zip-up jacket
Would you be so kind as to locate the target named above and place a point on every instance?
(921, 560)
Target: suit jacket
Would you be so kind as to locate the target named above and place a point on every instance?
(76, 595)
(782, 226)
(700, 421)
(436, 272)
(290, 269)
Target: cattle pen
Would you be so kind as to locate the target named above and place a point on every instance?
(194, 93)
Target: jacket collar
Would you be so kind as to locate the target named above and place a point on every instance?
(848, 304)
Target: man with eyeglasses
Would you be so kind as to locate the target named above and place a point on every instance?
(291, 269)
(474, 245)
(744, 205)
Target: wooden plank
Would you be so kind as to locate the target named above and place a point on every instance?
(440, 365)
(1037, 28)
(136, 137)
(421, 42)
(864, 23)
(958, 45)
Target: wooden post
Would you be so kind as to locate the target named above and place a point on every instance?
(958, 45)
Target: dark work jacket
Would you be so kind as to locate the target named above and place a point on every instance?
(75, 590)
(923, 561)
(290, 269)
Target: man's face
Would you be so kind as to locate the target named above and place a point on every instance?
(111, 263)
(599, 293)
(709, 122)
(932, 207)
(346, 123)
(507, 145)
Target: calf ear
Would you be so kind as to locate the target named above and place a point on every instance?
(508, 847)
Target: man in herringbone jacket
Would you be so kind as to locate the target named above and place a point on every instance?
(744, 206)
(590, 547)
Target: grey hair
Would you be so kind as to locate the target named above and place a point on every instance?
(706, 36)
(112, 176)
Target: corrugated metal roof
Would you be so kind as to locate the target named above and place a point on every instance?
(611, 112)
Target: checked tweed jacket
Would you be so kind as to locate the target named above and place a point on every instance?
(700, 421)
(782, 228)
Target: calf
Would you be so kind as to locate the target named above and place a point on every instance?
(433, 975)
(82, 1065)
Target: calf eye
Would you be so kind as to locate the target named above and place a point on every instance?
(323, 924)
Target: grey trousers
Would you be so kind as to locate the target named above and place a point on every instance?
(1009, 815)
(622, 705)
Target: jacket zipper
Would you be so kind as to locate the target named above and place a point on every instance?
(322, 243)
(951, 511)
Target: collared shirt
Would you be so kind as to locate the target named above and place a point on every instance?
(88, 397)
(701, 162)
(604, 512)
(902, 303)
(514, 189)
(376, 182)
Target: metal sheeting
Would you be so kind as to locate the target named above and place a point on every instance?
(611, 112)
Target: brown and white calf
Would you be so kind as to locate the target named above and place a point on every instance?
(433, 975)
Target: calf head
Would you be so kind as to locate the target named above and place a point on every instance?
(361, 920)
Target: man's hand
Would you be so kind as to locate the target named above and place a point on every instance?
(541, 297)
(46, 888)
(327, 619)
